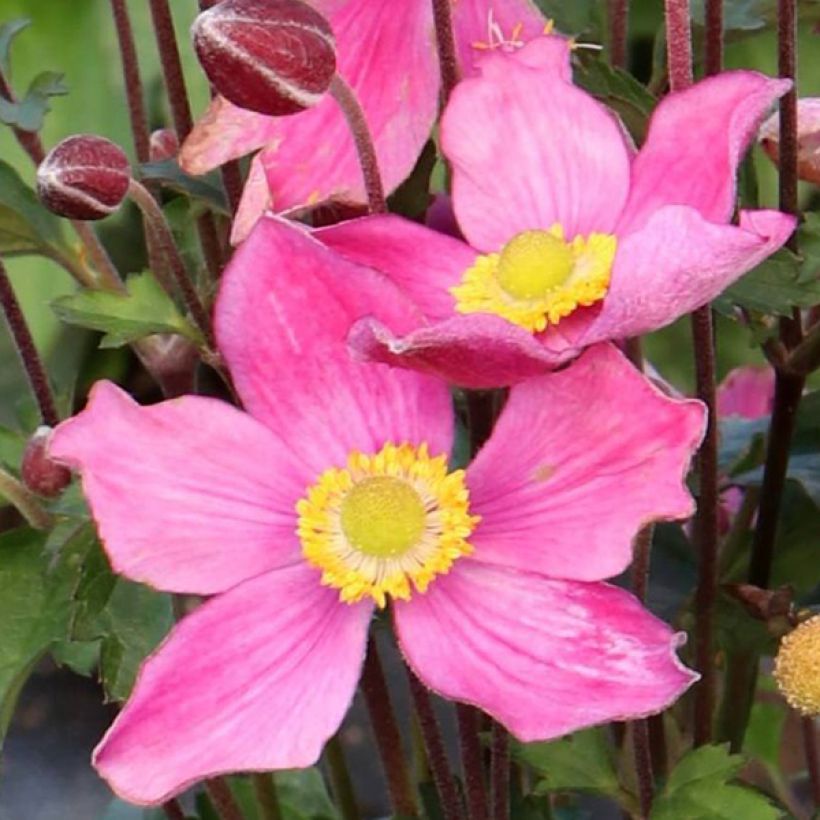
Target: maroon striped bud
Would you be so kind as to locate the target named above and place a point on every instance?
(272, 56)
(164, 145)
(39, 473)
(83, 177)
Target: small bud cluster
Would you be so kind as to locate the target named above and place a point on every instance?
(39, 473)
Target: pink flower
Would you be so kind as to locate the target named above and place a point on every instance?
(808, 139)
(281, 514)
(387, 53)
(573, 237)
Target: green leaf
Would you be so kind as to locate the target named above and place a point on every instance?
(739, 15)
(28, 114)
(578, 17)
(206, 188)
(146, 309)
(8, 31)
(699, 789)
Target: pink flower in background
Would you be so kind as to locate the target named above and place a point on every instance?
(808, 139)
(573, 237)
(387, 53)
(332, 494)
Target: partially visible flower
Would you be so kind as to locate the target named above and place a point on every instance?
(574, 238)
(332, 494)
(808, 139)
(387, 53)
(797, 667)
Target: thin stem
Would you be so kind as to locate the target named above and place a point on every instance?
(618, 32)
(173, 811)
(386, 731)
(157, 223)
(340, 779)
(471, 761)
(434, 745)
(365, 147)
(659, 753)
(805, 358)
(678, 44)
(713, 47)
(109, 276)
(446, 46)
(171, 67)
(23, 341)
(500, 772)
(643, 765)
(812, 762)
(223, 800)
(24, 501)
(264, 789)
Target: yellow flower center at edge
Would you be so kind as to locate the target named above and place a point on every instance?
(797, 667)
(538, 277)
(386, 524)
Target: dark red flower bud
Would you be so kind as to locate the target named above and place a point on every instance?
(39, 473)
(272, 56)
(83, 177)
(164, 145)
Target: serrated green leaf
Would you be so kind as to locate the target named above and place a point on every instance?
(146, 309)
(205, 188)
(699, 789)
(28, 114)
(8, 31)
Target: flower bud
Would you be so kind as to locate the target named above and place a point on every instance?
(797, 667)
(39, 473)
(83, 177)
(271, 56)
(163, 145)
(808, 139)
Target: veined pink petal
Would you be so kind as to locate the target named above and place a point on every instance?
(747, 392)
(674, 264)
(257, 678)
(422, 262)
(255, 201)
(387, 54)
(225, 132)
(477, 350)
(529, 149)
(190, 495)
(696, 139)
(543, 657)
(488, 25)
(284, 309)
(578, 462)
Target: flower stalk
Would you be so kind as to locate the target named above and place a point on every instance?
(471, 761)
(173, 811)
(618, 14)
(264, 789)
(223, 800)
(340, 780)
(500, 772)
(24, 501)
(446, 46)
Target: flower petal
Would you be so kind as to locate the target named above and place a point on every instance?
(578, 462)
(254, 202)
(285, 306)
(529, 149)
(255, 679)
(422, 262)
(696, 139)
(747, 392)
(387, 54)
(677, 262)
(543, 657)
(190, 495)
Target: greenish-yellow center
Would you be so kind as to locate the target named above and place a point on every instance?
(532, 263)
(382, 516)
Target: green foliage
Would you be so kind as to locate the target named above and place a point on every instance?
(8, 31)
(28, 114)
(699, 788)
(146, 309)
(579, 17)
(207, 188)
(740, 15)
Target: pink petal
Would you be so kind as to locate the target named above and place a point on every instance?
(478, 350)
(747, 392)
(529, 149)
(255, 201)
(696, 139)
(484, 25)
(285, 306)
(224, 132)
(387, 54)
(674, 264)
(579, 461)
(190, 495)
(422, 262)
(441, 218)
(543, 657)
(255, 679)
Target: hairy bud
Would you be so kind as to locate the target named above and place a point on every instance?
(164, 144)
(271, 56)
(83, 177)
(808, 139)
(39, 473)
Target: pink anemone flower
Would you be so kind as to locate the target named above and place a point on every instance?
(331, 495)
(574, 238)
(387, 53)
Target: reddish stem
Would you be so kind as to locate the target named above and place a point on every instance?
(618, 32)
(446, 45)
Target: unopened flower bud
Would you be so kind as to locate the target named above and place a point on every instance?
(797, 667)
(39, 473)
(164, 145)
(271, 56)
(808, 139)
(83, 177)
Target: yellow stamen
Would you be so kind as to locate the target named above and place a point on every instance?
(538, 278)
(385, 522)
(797, 667)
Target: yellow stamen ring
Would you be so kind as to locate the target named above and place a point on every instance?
(797, 667)
(538, 277)
(386, 522)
